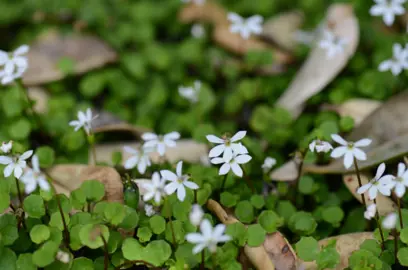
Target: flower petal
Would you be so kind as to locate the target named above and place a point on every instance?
(216, 151)
(18, 171)
(225, 168)
(206, 228)
(218, 231)
(8, 170)
(169, 175)
(363, 142)
(359, 154)
(339, 151)
(161, 148)
(23, 49)
(337, 138)
(172, 136)
(130, 150)
(131, 162)
(195, 238)
(364, 188)
(171, 187)
(372, 192)
(401, 169)
(242, 159)
(217, 160)
(214, 139)
(149, 136)
(238, 136)
(380, 171)
(236, 169)
(5, 160)
(179, 168)
(26, 155)
(348, 159)
(399, 190)
(181, 193)
(198, 248)
(190, 185)
(227, 156)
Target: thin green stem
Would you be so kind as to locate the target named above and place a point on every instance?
(91, 141)
(202, 265)
(395, 245)
(171, 225)
(223, 183)
(377, 218)
(400, 213)
(359, 181)
(19, 194)
(214, 260)
(106, 253)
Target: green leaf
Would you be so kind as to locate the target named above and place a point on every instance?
(45, 255)
(114, 213)
(285, 209)
(403, 256)
(333, 214)
(257, 201)
(255, 235)
(302, 223)
(64, 201)
(306, 185)
(46, 156)
(8, 229)
(92, 84)
(307, 249)
(371, 245)
(56, 220)
(4, 201)
(94, 190)
(178, 231)
(144, 234)
(131, 198)
(244, 211)
(115, 240)
(66, 65)
(75, 240)
(328, 257)
(82, 264)
(91, 235)
(40, 233)
(8, 259)
(82, 218)
(34, 206)
(78, 199)
(364, 259)
(25, 262)
(156, 252)
(238, 232)
(270, 221)
(19, 129)
(131, 219)
(229, 200)
(157, 224)
(404, 235)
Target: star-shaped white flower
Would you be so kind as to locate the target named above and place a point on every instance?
(245, 27)
(190, 92)
(228, 146)
(208, 238)
(197, 2)
(84, 121)
(33, 177)
(349, 150)
(232, 164)
(15, 164)
(388, 9)
(390, 221)
(154, 188)
(401, 181)
(198, 30)
(320, 146)
(6, 147)
(160, 142)
(398, 62)
(149, 210)
(334, 45)
(14, 64)
(177, 182)
(269, 162)
(140, 159)
(379, 183)
(196, 215)
(370, 211)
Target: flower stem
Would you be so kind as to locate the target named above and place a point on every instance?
(223, 183)
(377, 218)
(202, 265)
(395, 245)
(400, 213)
(20, 195)
(171, 225)
(106, 253)
(214, 261)
(91, 141)
(359, 183)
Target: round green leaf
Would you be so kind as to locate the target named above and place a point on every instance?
(256, 235)
(270, 221)
(403, 256)
(144, 234)
(25, 262)
(46, 156)
(94, 190)
(257, 201)
(302, 223)
(56, 220)
(131, 219)
(8, 259)
(229, 200)
(20, 129)
(404, 235)
(306, 185)
(114, 213)
(39, 233)
(244, 211)
(34, 206)
(307, 249)
(82, 264)
(157, 224)
(115, 240)
(78, 199)
(156, 252)
(333, 214)
(179, 232)
(45, 255)
(238, 232)
(91, 235)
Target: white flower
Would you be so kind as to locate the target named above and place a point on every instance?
(197, 2)
(232, 164)
(333, 44)
(380, 183)
(388, 9)
(63, 256)
(139, 158)
(190, 92)
(15, 163)
(14, 64)
(154, 189)
(149, 210)
(245, 27)
(208, 238)
(320, 146)
(401, 181)
(370, 212)
(269, 162)
(84, 121)
(390, 221)
(33, 177)
(398, 62)
(160, 142)
(178, 181)
(198, 30)
(196, 215)
(349, 150)
(6, 147)
(228, 146)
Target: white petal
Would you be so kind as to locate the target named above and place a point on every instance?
(384, 190)
(385, 65)
(18, 171)
(130, 150)
(242, 159)
(348, 159)
(141, 167)
(337, 138)
(400, 190)
(339, 151)
(172, 136)
(8, 170)
(171, 187)
(238, 136)
(179, 168)
(363, 142)
(376, 10)
(206, 228)
(198, 248)
(150, 144)
(364, 188)
(388, 18)
(390, 221)
(227, 153)
(26, 155)
(312, 146)
(161, 148)
(190, 185)
(218, 231)
(169, 175)
(372, 192)
(30, 187)
(149, 136)
(214, 139)
(380, 171)
(401, 169)
(44, 185)
(169, 143)
(225, 168)
(131, 162)
(195, 238)
(23, 49)
(359, 154)
(236, 169)
(181, 193)
(234, 17)
(216, 151)
(3, 57)
(148, 196)
(5, 160)
(217, 160)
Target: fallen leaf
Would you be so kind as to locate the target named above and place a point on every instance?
(40, 97)
(384, 204)
(281, 29)
(357, 108)
(318, 71)
(288, 172)
(346, 244)
(67, 178)
(186, 150)
(87, 53)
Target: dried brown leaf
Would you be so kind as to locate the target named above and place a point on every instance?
(288, 172)
(318, 71)
(87, 52)
(67, 178)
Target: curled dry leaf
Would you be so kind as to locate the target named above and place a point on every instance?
(318, 71)
(67, 178)
(186, 150)
(40, 97)
(107, 122)
(280, 29)
(288, 172)
(85, 51)
(276, 252)
(384, 204)
(346, 244)
(357, 108)
(211, 12)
